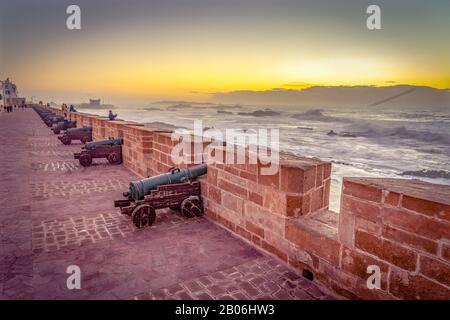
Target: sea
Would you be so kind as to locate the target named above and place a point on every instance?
(365, 142)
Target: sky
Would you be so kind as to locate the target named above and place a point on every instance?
(141, 51)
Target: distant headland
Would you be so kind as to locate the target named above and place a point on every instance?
(95, 104)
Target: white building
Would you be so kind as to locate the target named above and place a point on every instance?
(10, 95)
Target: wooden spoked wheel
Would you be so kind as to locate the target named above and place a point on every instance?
(85, 160)
(114, 158)
(85, 139)
(66, 140)
(192, 207)
(143, 215)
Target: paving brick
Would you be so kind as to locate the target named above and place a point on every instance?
(249, 289)
(239, 296)
(216, 290)
(203, 296)
(193, 286)
(282, 295)
(183, 295)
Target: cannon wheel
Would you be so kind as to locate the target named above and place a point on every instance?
(66, 140)
(191, 207)
(85, 160)
(85, 139)
(115, 158)
(143, 215)
(56, 131)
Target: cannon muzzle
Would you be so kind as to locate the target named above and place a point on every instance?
(139, 189)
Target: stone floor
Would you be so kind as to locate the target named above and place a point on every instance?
(54, 213)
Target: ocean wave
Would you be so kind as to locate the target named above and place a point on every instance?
(305, 128)
(161, 125)
(317, 115)
(222, 106)
(373, 130)
(434, 174)
(179, 106)
(424, 115)
(260, 113)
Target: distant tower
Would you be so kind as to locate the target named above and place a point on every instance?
(94, 102)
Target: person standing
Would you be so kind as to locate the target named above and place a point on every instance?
(112, 116)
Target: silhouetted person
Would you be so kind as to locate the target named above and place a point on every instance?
(112, 116)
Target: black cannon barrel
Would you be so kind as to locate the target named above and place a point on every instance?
(107, 142)
(139, 189)
(66, 122)
(78, 130)
(56, 120)
(64, 125)
(48, 116)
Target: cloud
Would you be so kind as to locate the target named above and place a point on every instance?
(396, 96)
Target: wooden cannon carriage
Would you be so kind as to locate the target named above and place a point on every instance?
(110, 149)
(83, 134)
(177, 190)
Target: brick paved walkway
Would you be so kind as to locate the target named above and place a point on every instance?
(54, 213)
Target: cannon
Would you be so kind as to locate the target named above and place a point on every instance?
(46, 115)
(110, 149)
(50, 121)
(83, 134)
(178, 190)
(41, 111)
(63, 125)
